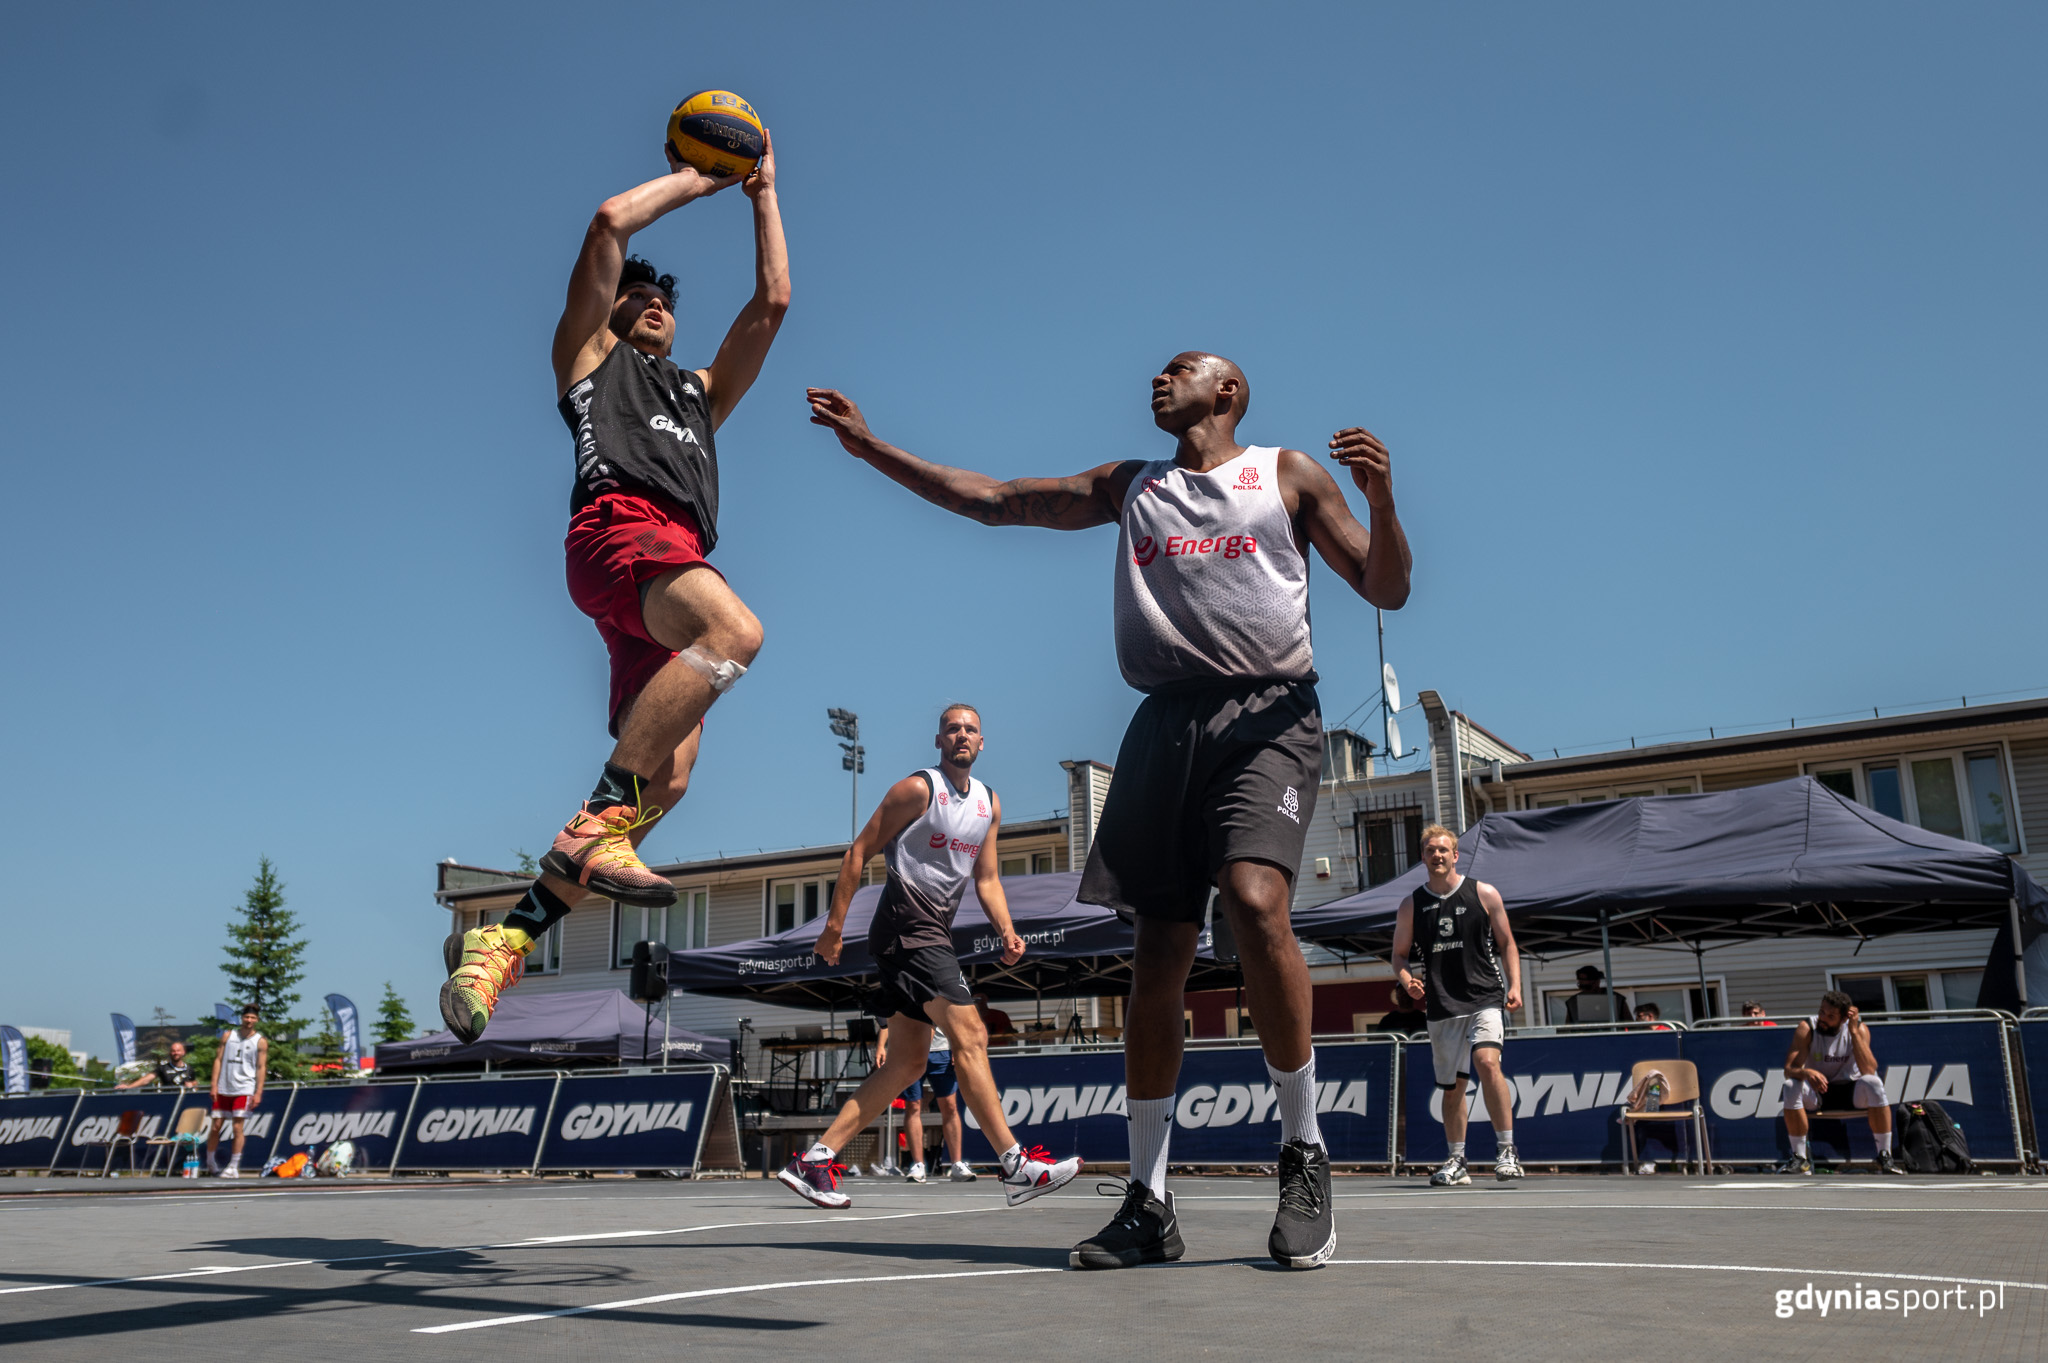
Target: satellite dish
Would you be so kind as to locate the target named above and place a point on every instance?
(1393, 737)
(1391, 685)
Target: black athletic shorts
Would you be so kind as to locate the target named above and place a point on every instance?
(911, 977)
(1205, 776)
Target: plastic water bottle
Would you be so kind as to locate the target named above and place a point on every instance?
(192, 1162)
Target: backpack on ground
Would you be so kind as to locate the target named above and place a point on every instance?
(1929, 1140)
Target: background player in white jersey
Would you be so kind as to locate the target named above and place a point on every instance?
(935, 828)
(1472, 977)
(238, 1070)
(1216, 778)
(1832, 1068)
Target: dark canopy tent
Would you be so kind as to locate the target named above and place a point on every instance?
(1072, 950)
(549, 1030)
(1792, 858)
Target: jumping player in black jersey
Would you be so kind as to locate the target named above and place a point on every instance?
(643, 516)
(1216, 778)
(937, 829)
(1471, 972)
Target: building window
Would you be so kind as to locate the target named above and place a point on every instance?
(1678, 1001)
(790, 902)
(1041, 863)
(1015, 866)
(1388, 844)
(1961, 794)
(546, 956)
(683, 926)
(1683, 786)
(1912, 991)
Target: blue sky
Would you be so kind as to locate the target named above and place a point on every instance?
(1709, 347)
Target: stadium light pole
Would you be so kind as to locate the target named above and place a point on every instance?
(852, 757)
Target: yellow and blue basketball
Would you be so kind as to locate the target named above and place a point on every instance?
(717, 132)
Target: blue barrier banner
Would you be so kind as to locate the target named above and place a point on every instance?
(1960, 1065)
(477, 1124)
(368, 1116)
(1568, 1092)
(31, 1129)
(634, 1121)
(1224, 1113)
(99, 1117)
(2034, 1054)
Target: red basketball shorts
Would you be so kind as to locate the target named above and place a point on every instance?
(231, 1104)
(614, 545)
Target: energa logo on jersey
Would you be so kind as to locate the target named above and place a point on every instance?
(469, 1123)
(1199, 1105)
(589, 1122)
(1746, 1093)
(32, 1128)
(316, 1127)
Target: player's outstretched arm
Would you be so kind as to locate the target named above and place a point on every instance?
(594, 282)
(1376, 563)
(1092, 498)
(745, 347)
(988, 886)
(904, 802)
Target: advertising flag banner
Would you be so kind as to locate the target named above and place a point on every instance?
(124, 1039)
(14, 1058)
(345, 1022)
(225, 1012)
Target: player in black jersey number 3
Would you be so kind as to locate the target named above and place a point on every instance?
(1216, 778)
(1471, 972)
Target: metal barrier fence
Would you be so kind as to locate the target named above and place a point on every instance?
(679, 1118)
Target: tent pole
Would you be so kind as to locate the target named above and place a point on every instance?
(1700, 959)
(1607, 962)
(2019, 962)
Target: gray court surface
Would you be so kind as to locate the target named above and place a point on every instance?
(1559, 1267)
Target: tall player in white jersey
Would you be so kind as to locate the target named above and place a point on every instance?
(936, 829)
(239, 1067)
(1216, 779)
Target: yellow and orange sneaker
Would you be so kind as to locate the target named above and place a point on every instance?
(596, 851)
(482, 964)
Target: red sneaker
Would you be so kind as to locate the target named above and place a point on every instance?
(815, 1182)
(596, 851)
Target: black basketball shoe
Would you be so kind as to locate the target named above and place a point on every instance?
(1305, 1232)
(1143, 1231)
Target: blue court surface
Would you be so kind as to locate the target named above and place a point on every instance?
(1559, 1267)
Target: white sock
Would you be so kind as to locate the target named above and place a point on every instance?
(1013, 1157)
(1506, 1141)
(1297, 1103)
(1151, 1122)
(819, 1153)
(1884, 1141)
(1457, 1149)
(1799, 1146)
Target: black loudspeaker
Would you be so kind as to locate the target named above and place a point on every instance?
(861, 1031)
(650, 972)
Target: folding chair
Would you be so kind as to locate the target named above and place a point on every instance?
(190, 1130)
(128, 1132)
(1683, 1080)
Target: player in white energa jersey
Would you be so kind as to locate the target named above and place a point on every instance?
(936, 830)
(1216, 779)
(238, 1069)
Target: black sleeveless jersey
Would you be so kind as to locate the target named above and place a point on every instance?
(1461, 972)
(642, 426)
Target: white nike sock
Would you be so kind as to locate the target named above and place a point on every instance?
(1297, 1103)
(1151, 1122)
(1884, 1141)
(819, 1153)
(1013, 1157)
(1799, 1146)
(1506, 1141)
(1457, 1149)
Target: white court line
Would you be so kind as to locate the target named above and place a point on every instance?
(723, 1292)
(536, 1242)
(1695, 1268)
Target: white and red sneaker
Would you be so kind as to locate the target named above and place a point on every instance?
(815, 1181)
(1036, 1174)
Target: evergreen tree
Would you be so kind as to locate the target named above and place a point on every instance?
(394, 1023)
(265, 963)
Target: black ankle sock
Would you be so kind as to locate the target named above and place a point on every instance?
(616, 787)
(540, 910)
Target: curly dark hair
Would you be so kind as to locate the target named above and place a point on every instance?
(1838, 1001)
(638, 271)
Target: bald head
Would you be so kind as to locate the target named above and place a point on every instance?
(1199, 386)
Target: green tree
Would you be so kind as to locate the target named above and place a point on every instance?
(527, 865)
(265, 963)
(394, 1023)
(48, 1058)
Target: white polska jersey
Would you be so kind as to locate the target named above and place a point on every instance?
(935, 855)
(238, 1061)
(1209, 581)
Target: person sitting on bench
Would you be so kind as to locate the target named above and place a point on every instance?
(1831, 1068)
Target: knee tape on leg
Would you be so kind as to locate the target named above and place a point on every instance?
(720, 672)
